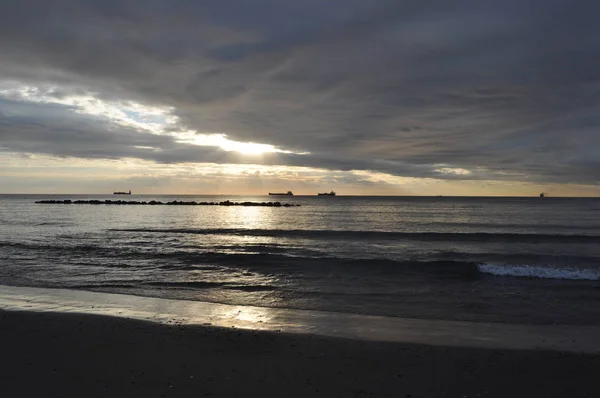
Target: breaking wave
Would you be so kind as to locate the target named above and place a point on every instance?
(530, 271)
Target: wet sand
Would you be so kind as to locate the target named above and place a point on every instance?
(64, 355)
(564, 338)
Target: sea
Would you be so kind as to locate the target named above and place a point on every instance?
(505, 260)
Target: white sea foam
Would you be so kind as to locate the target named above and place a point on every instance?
(540, 272)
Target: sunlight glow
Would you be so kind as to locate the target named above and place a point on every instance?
(125, 113)
(131, 114)
(220, 140)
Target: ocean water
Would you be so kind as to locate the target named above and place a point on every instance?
(514, 260)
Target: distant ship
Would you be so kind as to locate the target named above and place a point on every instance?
(326, 194)
(122, 193)
(289, 193)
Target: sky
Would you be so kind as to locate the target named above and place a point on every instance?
(382, 97)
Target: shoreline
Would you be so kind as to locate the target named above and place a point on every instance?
(575, 339)
(70, 354)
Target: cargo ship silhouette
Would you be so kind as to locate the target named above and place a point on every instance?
(332, 193)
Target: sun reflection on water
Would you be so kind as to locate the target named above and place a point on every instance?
(228, 267)
(254, 217)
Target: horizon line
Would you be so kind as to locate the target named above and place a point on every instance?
(311, 195)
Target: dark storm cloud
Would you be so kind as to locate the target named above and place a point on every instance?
(511, 87)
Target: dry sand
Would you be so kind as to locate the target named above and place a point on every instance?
(68, 355)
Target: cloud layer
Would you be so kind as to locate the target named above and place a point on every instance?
(450, 90)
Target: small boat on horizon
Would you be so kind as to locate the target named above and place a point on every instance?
(288, 193)
(122, 193)
(332, 193)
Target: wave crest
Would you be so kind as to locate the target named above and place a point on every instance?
(381, 235)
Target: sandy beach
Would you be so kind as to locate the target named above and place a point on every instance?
(62, 355)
